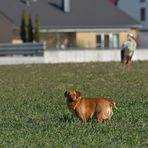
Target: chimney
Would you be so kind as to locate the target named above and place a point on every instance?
(28, 2)
(115, 2)
(66, 5)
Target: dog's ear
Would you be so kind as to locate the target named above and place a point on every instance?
(65, 94)
(78, 93)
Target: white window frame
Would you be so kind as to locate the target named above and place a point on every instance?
(103, 40)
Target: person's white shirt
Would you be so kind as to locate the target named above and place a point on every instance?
(130, 45)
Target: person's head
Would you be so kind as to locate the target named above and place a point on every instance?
(130, 36)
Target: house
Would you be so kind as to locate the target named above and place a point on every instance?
(5, 29)
(115, 2)
(70, 23)
(138, 9)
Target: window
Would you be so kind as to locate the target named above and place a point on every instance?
(142, 1)
(107, 41)
(142, 14)
(99, 41)
(115, 41)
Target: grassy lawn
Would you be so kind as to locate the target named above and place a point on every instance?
(33, 111)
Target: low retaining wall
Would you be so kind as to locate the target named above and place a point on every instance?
(21, 60)
(63, 56)
(73, 56)
(141, 54)
(59, 56)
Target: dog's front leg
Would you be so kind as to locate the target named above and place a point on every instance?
(82, 117)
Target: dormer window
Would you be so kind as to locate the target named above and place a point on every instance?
(142, 14)
(142, 1)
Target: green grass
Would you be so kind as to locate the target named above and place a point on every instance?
(33, 111)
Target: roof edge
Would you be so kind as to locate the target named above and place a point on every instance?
(8, 18)
(88, 29)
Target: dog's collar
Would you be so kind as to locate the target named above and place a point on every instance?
(78, 100)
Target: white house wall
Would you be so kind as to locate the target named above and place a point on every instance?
(143, 37)
(132, 8)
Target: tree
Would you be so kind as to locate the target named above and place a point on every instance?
(36, 29)
(24, 28)
(30, 29)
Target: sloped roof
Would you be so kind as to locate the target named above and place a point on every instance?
(83, 14)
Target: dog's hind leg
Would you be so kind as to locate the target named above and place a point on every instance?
(99, 117)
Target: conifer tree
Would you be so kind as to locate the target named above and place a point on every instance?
(36, 29)
(24, 28)
(30, 29)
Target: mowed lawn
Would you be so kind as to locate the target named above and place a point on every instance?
(33, 111)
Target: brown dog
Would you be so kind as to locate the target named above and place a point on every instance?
(84, 108)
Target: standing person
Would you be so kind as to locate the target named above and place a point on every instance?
(128, 49)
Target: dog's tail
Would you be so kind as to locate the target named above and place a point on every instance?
(113, 104)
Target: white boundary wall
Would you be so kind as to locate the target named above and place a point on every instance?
(141, 54)
(63, 56)
(21, 60)
(73, 56)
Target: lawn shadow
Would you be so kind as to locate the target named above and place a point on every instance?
(67, 118)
